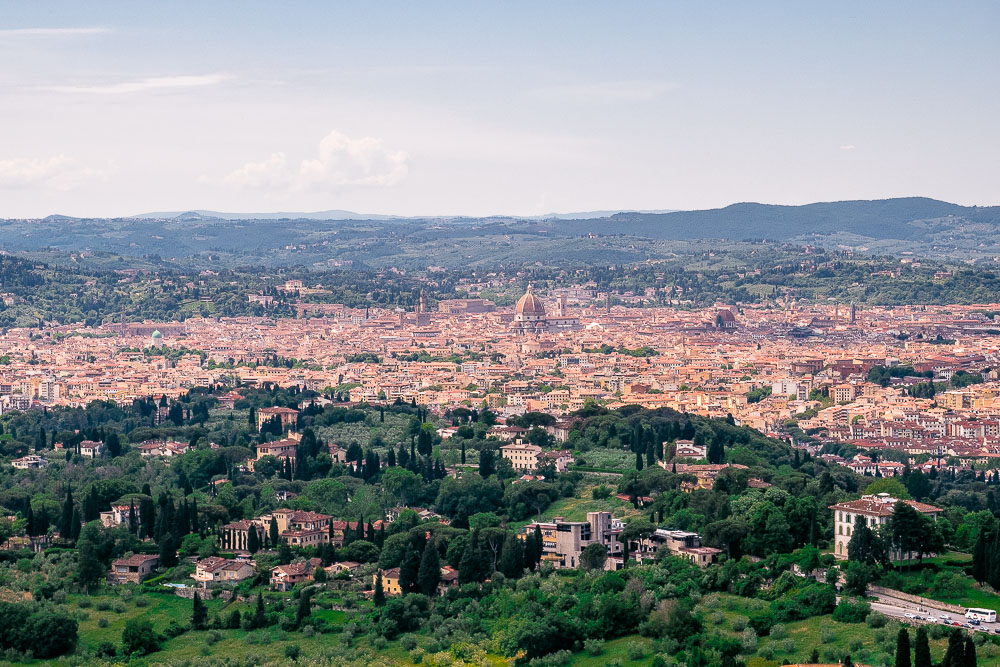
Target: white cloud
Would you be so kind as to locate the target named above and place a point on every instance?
(147, 84)
(341, 162)
(51, 32)
(57, 172)
(848, 147)
(620, 91)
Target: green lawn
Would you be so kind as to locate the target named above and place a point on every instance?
(576, 508)
(919, 580)
(617, 649)
(161, 609)
(795, 641)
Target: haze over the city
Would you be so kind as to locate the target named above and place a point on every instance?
(525, 109)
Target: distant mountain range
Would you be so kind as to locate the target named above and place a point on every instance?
(913, 225)
(337, 214)
(909, 218)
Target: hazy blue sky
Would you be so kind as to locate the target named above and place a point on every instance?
(481, 108)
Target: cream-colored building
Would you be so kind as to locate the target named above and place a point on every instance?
(522, 456)
(876, 510)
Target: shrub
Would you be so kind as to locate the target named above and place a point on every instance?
(417, 656)
(749, 641)
(827, 635)
(102, 605)
(594, 647)
(84, 603)
(293, 651)
(408, 642)
(876, 620)
(106, 650)
(948, 585)
(118, 607)
(308, 631)
(102, 622)
(740, 623)
(379, 643)
(215, 636)
(851, 611)
(636, 651)
(141, 602)
(778, 631)
(174, 629)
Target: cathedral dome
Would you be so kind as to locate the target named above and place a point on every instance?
(529, 304)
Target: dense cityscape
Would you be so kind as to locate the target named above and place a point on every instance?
(352, 457)
(515, 334)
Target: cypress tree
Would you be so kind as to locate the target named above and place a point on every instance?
(198, 613)
(66, 524)
(539, 544)
(259, 618)
(468, 566)
(147, 517)
(133, 521)
(922, 649)
(76, 525)
(429, 574)
(168, 550)
(512, 556)
(954, 655)
(193, 509)
(638, 461)
(902, 648)
(272, 530)
(253, 542)
(379, 597)
(284, 552)
(89, 566)
(529, 552)
(409, 570)
(970, 653)
(304, 609)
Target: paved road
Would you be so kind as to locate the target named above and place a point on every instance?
(900, 608)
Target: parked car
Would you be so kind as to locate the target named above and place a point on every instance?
(909, 615)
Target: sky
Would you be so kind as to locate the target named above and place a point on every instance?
(517, 108)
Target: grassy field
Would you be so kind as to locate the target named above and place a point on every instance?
(576, 508)
(722, 614)
(920, 580)
(617, 649)
(794, 642)
(618, 460)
